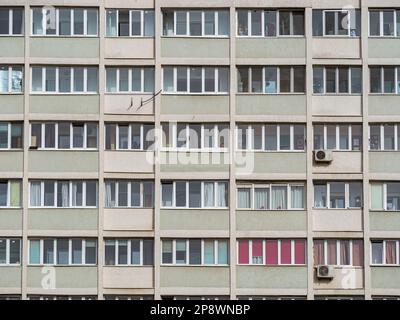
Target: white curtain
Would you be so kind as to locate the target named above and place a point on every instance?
(64, 194)
(261, 198)
(109, 203)
(222, 194)
(278, 197)
(297, 196)
(243, 198)
(74, 194)
(209, 194)
(35, 194)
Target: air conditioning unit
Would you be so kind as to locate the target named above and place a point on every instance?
(323, 156)
(325, 272)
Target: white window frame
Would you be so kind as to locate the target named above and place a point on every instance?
(10, 71)
(129, 199)
(382, 136)
(130, 80)
(336, 12)
(9, 194)
(384, 242)
(264, 256)
(188, 92)
(381, 11)
(8, 251)
(57, 25)
(337, 144)
(262, 24)
(216, 253)
(71, 147)
(70, 182)
(215, 207)
(129, 251)
(129, 137)
(55, 262)
(72, 91)
(9, 124)
(346, 195)
(252, 188)
(250, 138)
(337, 82)
(142, 16)
(338, 242)
(382, 80)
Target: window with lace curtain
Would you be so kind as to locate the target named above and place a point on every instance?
(340, 252)
(63, 193)
(270, 196)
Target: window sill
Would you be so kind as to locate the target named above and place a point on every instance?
(341, 94)
(179, 150)
(63, 93)
(128, 150)
(337, 37)
(271, 37)
(12, 35)
(128, 93)
(271, 94)
(2, 265)
(61, 265)
(336, 209)
(270, 151)
(43, 36)
(210, 37)
(72, 208)
(166, 93)
(271, 265)
(127, 266)
(12, 93)
(271, 210)
(384, 265)
(127, 208)
(65, 150)
(384, 94)
(184, 208)
(195, 265)
(130, 37)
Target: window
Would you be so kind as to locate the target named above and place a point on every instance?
(64, 135)
(269, 23)
(11, 135)
(265, 79)
(65, 22)
(384, 80)
(271, 251)
(11, 21)
(208, 23)
(337, 23)
(382, 23)
(51, 193)
(270, 196)
(63, 251)
(195, 251)
(10, 193)
(129, 136)
(339, 252)
(129, 252)
(338, 137)
(10, 251)
(384, 137)
(209, 80)
(385, 196)
(337, 80)
(337, 195)
(64, 79)
(271, 137)
(385, 252)
(129, 23)
(194, 194)
(11, 79)
(136, 79)
(126, 193)
(195, 136)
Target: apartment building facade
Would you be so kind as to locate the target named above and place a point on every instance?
(225, 149)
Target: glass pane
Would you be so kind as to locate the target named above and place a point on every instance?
(16, 79)
(284, 23)
(343, 79)
(243, 198)
(166, 194)
(355, 195)
(122, 252)
(78, 79)
(388, 137)
(123, 23)
(331, 136)
(166, 251)
(111, 136)
(261, 198)
(317, 22)
(298, 23)
(49, 139)
(337, 194)
(136, 23)
(3, 135)
(375, 137)
(37, 27)
(388, 23)
(223, 79)
(374, 23)
(271, 138)
(222, 252)
(393, 196)
(297, 197)
(135, 251)
(48, 251)
(209, 255)
(284, 79)
(195, 80)
(64, 24)
(90, 256)
(181, 23)
(135, 194)
(148, 194)
(356, 80)
(242, 17)
(318, 79)
(377, 252)
(92, 79)
(111, 23)
(64, 84)
(91, 141)
(148, 252)
(299, 79)
(194, 251)
(122, 194)
(256, 79)
(111, 75)
(256, 27)
(194, 136)
(343, 137)
(194, 194)
(136, 79)
(109, 252)
(123, 79)
(278, 197)
(270, 80)
(62, 194)
(257, 136)
(76, 251)
(284, 138)
(243, 80)
(168, 23)
(181, 81)
(209, 81)
(4, 79)
(330, 80)
(223, 23)
(195, 23)
(270, 23)
(78, 22)
(209, 23)
(356, 137)
(92, 22)
(78, 135)
(148, 79)
(4, 21)
(180, 252)
(91, 193)
(320, 195)
(330, 23)
(64, 135)
(388, 80)
(343, 23)
(318, 137)
(375, 80)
